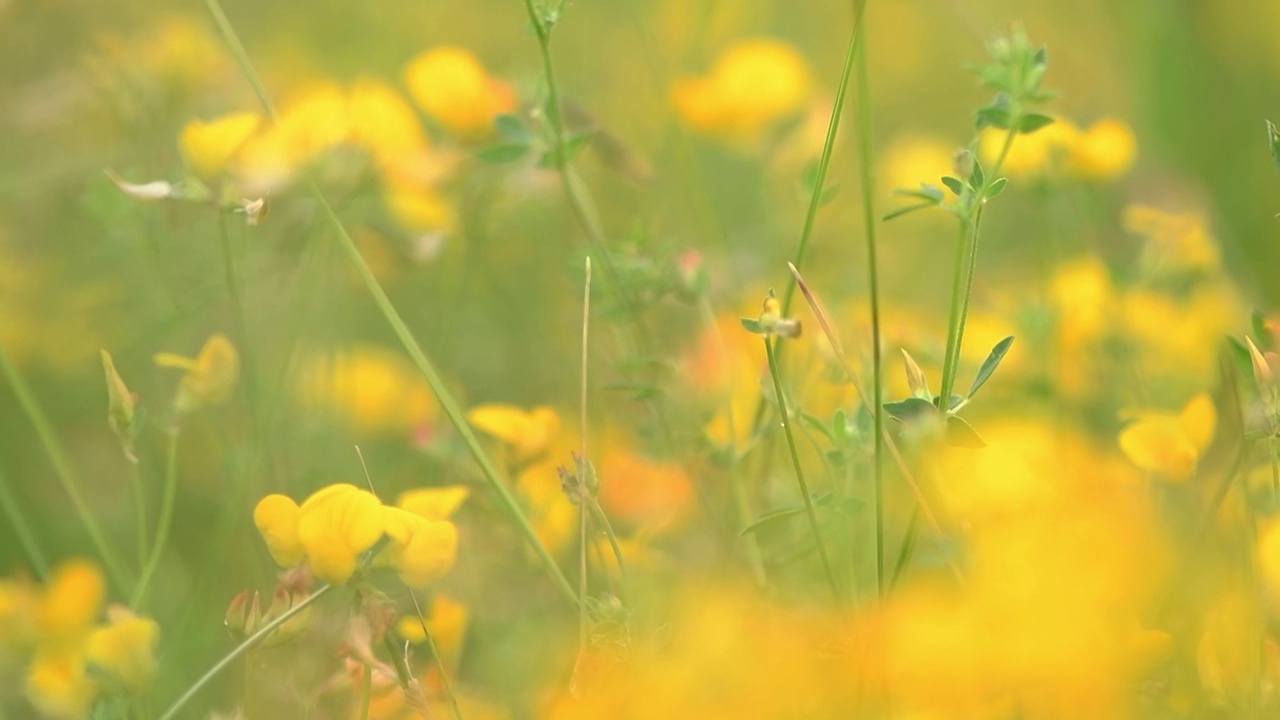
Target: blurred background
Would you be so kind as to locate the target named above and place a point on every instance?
(482, 256)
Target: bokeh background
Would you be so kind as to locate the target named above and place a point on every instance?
(490, 283)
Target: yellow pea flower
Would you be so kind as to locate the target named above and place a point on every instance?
(446, 621)
(753, 84)
(373, 388)
(1040, 153)
(1170, 445)
(312, 121)
(419, 208)
(18, 601)
(384, 122)
(1105, 151)
(124, 650)
(209, 146)
(276, 517)
(58, 685)
(421, 550)
(434, 503)
(336, 525)
(210, 377)
(528, 434)
(72, 599)
(451, 85)
(1176, 241)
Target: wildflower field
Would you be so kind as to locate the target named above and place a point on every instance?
(901, 359)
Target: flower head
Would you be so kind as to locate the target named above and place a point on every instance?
(210, 377)
(209, 146)
(527, 433)
(124, 650)
(753, 84)
(451, 85)
(1170, 444)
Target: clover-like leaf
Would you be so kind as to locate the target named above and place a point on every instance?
(990, 364)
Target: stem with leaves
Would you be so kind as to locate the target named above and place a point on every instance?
(165, 522)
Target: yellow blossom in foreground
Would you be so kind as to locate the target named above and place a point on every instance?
(210, 377)
(451, 85)
(434, 503)
(331, 528)
(1170, 445)
(209, 146)
(373, 388)
(527, 433)
(124, 650)
(421, 550)
(753, 84)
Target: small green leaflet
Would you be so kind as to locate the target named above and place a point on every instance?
(990, 364)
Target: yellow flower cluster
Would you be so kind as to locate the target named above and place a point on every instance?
(337, 524)
(1102, 152)
(372, 388)
(752, 85)
(72, 659)
(210, 377)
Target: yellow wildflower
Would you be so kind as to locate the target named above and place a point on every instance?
(17, 613)
(209, 146)
(311, 122)
(382, 121)
(72, 598)
(330, 529)
(1171, 445)
(753, 84)
(434, 503)
(1176, 241)
(373, 388)
(451, 85)
(446, 620)
(421, 550)
(210, 377)
(124, 650)
(1105, 151)
(527, 434)
(418, 208)
(59, 686)
(1039, 153)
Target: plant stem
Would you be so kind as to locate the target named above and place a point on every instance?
(1275, 464)
(242, 327)
(584, 466)
(435, 654)
(165, 522)
(241, 649)
(26, 538)
(62, 467)
(795, 462)
(865, 165)
(140, 509)
(598, 513)
(448, 403)
(366, 700)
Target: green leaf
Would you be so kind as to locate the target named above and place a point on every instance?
(990, 364)
(576, 143)
(773, 516)
(503, 153)
(1041, 58)
(961, 434)
(909, 410)
(954, 185)
(513, 128)
(928, 193)
(752, 325)
(977, 178)
(908, 209)
(997, 187)
(817, 424)
(1033, 122)
(1273, 140)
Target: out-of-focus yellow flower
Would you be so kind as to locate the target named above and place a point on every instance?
(1083, 299)
(1229, 658)
(527, 433)
(124, 650)
(331, 529)
(1039, 153)
(1170, 445)
(419, 208)
(210, 376)
(1105, 151)
(384, 122)
(209, 146)
(18, 601)
(312, 121)
(635, 489)
(434, 503)
(446, 621)
(753, 84)
(72, 599)
(59, 686)
(374, 389)
(1269, 553)
(181, 50)
(421, 550)
(451, 85)
(912, 160)
(1176, 241)
(1174, 340)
